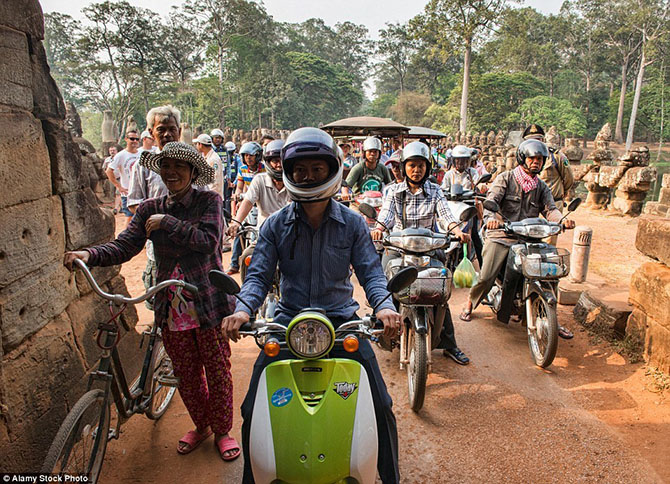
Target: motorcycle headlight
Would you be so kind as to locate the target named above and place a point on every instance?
(539, 231)
(310, 335)
(413, 243)
(373, 202)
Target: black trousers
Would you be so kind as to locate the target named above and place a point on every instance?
(387, 433)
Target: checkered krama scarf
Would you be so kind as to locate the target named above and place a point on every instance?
(526, 181)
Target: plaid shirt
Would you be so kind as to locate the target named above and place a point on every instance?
(421, 208)
(189, 235)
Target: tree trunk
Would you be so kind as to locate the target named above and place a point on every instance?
(660, 134)
(636, 100)
(220, 61)
(618, 131)
(466, 86)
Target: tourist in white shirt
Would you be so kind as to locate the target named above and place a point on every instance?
(203, 144)
(121, 168)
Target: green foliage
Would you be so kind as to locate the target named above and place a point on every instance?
(548, 111)
(379, 107)
(409, 108)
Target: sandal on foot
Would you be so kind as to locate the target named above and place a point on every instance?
(565, 333)
(193, 439)
(226, 444)
(466, 315)
(457, 355)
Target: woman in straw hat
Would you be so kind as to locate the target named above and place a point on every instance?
(185, 227)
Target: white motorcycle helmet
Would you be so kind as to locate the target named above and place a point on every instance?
(230, 146)
(311, 143)
(372, 143)
(416, 150)
(461, 151)
(216, 132)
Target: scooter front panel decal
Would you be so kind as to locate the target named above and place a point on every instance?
(344, 389)
(282, 397)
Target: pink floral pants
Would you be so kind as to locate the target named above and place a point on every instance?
(201, 360)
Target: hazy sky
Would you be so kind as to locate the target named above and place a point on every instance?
(372, 13)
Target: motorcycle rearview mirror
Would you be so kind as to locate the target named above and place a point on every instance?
(367, 210)
(491, 206)
(467, 214)
(486, 177)
(402, 279)
(574, 204)
(227, 285)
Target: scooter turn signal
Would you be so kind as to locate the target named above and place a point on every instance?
(271, 347)
(350, 343)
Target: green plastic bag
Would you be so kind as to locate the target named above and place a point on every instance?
(465, 274)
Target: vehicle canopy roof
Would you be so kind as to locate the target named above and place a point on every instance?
(365, 126)
(420, 132)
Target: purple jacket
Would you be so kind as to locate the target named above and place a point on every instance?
(189, 234)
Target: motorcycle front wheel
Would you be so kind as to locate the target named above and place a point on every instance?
(543, 339)
(417, 369)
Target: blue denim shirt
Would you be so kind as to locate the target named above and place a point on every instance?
(315, 264)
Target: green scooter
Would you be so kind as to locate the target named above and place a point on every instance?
(313, 418)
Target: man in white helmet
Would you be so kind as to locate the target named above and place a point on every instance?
(369, 174)
(461, 173)
(315, 241)
(416, 202)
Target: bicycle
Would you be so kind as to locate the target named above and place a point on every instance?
(79, 446)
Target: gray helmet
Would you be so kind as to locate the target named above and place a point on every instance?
(273, 150)
(372, 143)
(252, 148)
(416, 150)
(530, 148)
(230, 146)
(216, 132)
(311, 143)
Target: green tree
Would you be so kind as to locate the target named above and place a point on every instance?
(396, 47)
(550, 111)
(409, 108)
(467, 21)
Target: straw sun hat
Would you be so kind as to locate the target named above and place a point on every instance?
(183, 152)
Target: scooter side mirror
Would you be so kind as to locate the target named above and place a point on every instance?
(491, 206)
(402, 279)
(467, 214)
(486, 177)
(224, 282)
(574, 204)
(367, 210)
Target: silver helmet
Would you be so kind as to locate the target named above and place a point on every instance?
(230, 146)
(311, 143)
(372, 143)
(252, 148)
(273, 150)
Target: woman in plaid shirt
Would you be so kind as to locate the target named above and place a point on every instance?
(417, 203)
(185, 227)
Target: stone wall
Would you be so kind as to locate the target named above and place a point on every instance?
(650, 291)
(47, 205)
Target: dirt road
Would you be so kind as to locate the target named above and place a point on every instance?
(591, 417)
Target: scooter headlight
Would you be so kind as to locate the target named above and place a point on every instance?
(539, 231)
(310, 335)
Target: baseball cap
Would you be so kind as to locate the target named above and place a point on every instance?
(204, 139)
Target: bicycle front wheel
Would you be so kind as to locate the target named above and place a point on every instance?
(163, 383)
(80, 444)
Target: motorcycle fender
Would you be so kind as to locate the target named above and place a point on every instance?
(419, 320)
(536, 286)
(317, 420)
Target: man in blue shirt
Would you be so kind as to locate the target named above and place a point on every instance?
(314, 241)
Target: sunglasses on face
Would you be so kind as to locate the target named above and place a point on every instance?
(133, 139)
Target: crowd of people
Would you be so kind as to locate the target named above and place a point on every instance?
(184, 205)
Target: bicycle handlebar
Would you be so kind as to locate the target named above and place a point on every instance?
(122, 299)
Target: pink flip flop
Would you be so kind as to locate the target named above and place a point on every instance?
(193, 439)
(228, 443)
